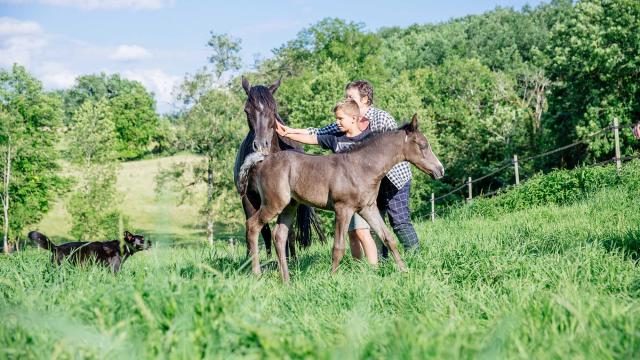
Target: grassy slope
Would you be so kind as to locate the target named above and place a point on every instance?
(148, 212)
(551, 281)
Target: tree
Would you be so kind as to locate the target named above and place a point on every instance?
(29, 122)
(308, 99)
(210, 125)
(594, 61)
(93, 205)
(132, 106)
(224, 55)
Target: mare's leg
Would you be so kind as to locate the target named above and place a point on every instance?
(372, 216)
(291, 244)
(280, 234)
(343, 216)
(266, 235)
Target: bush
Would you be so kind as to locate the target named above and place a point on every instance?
(559, 187)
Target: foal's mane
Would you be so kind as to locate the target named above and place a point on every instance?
(375, 138)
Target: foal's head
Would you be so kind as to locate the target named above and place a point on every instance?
(417, 150)
(262, 112)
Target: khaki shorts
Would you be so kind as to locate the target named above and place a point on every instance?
(357, 222)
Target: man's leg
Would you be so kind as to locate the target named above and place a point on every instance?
(396, 206)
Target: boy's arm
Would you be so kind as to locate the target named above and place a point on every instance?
(299, 135)
(303, 138)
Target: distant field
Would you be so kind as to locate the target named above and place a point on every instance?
(547, 282)
(149, 212)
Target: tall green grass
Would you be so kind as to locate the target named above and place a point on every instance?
(546, 282)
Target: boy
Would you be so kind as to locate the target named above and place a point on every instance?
(393, 198)
(348, 121)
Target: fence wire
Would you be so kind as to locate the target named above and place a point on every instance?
(510, 163)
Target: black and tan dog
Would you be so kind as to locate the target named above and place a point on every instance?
(107, 253)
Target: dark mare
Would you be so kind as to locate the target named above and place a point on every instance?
(262, 113)
(345, 183)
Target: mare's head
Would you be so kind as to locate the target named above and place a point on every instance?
(417, 150)
(262, 112)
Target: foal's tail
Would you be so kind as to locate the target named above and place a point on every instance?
(42, 240)
(306, 220)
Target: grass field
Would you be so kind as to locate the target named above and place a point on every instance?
(149, 212)
(546, 282)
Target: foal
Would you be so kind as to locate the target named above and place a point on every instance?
(346, 183)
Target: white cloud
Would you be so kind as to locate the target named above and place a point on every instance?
(130, 53)
(56, 75)
(101, 4)
(159, 82)
(57, 60)
(20, 41)
(10, 26)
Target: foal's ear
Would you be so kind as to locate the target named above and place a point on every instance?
(245, 85)
(275, 86)
(413, 126)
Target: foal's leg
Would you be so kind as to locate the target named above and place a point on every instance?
(251, 204)
(343, 216)
(253, 227)
(372, 216)
(280, 234)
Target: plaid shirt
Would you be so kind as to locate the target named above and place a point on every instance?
(379, 121)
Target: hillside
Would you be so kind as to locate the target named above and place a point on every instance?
(547, 281)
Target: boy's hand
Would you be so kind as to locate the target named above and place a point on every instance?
(281, 129)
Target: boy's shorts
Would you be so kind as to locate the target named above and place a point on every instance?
(357, 222)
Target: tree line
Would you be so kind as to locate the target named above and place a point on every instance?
(486, 86)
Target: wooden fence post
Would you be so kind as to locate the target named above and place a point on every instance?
(515, 165)
(433, 207)
(617, 139)
(470, 192)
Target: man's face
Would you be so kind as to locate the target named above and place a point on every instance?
(354, 94)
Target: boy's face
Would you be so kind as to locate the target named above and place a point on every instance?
(354, 94)
(346, 122)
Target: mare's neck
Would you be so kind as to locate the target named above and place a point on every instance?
(279, 143)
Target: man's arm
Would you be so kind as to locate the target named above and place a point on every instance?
(331, 129)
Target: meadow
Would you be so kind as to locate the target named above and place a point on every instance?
(550, 281)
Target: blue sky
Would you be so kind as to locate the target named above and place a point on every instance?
(157, 41)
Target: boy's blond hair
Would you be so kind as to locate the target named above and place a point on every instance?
(349, 106)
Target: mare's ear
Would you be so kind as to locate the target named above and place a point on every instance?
(275, 86)
(245, 85)
(413, 126)
(128, 237)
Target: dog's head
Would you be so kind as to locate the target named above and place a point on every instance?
(136, 242)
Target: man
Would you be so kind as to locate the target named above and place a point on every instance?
(393, 198)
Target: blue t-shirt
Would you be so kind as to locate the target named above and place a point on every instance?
(340, 142)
